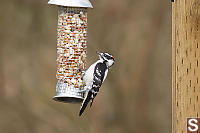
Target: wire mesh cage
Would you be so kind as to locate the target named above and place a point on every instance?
(71, 50)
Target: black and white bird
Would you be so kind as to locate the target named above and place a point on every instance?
(94, 76)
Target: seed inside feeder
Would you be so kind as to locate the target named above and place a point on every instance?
(71, 49)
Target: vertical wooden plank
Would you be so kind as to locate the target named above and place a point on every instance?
(185, 62)
(173, 66)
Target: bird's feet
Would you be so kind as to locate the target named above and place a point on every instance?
(81, 91)
(80, 70)
(84, 90)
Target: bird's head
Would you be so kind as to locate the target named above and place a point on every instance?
(108, 58)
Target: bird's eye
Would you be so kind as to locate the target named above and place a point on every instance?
(107, 57)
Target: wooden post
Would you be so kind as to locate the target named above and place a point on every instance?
(185, 62)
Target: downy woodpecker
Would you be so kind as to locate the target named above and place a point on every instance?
(94, 76)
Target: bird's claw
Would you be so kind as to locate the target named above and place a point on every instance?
(81, 91)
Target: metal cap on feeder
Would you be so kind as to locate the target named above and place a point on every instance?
(71, 48)
(72, 3)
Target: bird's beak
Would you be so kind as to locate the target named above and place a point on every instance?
(100, 54)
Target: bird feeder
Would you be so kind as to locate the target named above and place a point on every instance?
(71, 48)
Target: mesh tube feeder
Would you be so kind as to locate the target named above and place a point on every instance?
(71, 48)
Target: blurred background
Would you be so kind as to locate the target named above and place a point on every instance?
(136, 97)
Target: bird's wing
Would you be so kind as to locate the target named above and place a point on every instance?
(100, 72)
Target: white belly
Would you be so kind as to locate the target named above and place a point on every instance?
(88, 77)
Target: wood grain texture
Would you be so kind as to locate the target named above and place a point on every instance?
(185, 62)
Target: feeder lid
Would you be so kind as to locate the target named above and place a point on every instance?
(72, 3)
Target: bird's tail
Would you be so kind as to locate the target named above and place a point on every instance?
(91, 102)
(85, 102)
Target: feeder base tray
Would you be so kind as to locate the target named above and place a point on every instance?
(68, 99)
